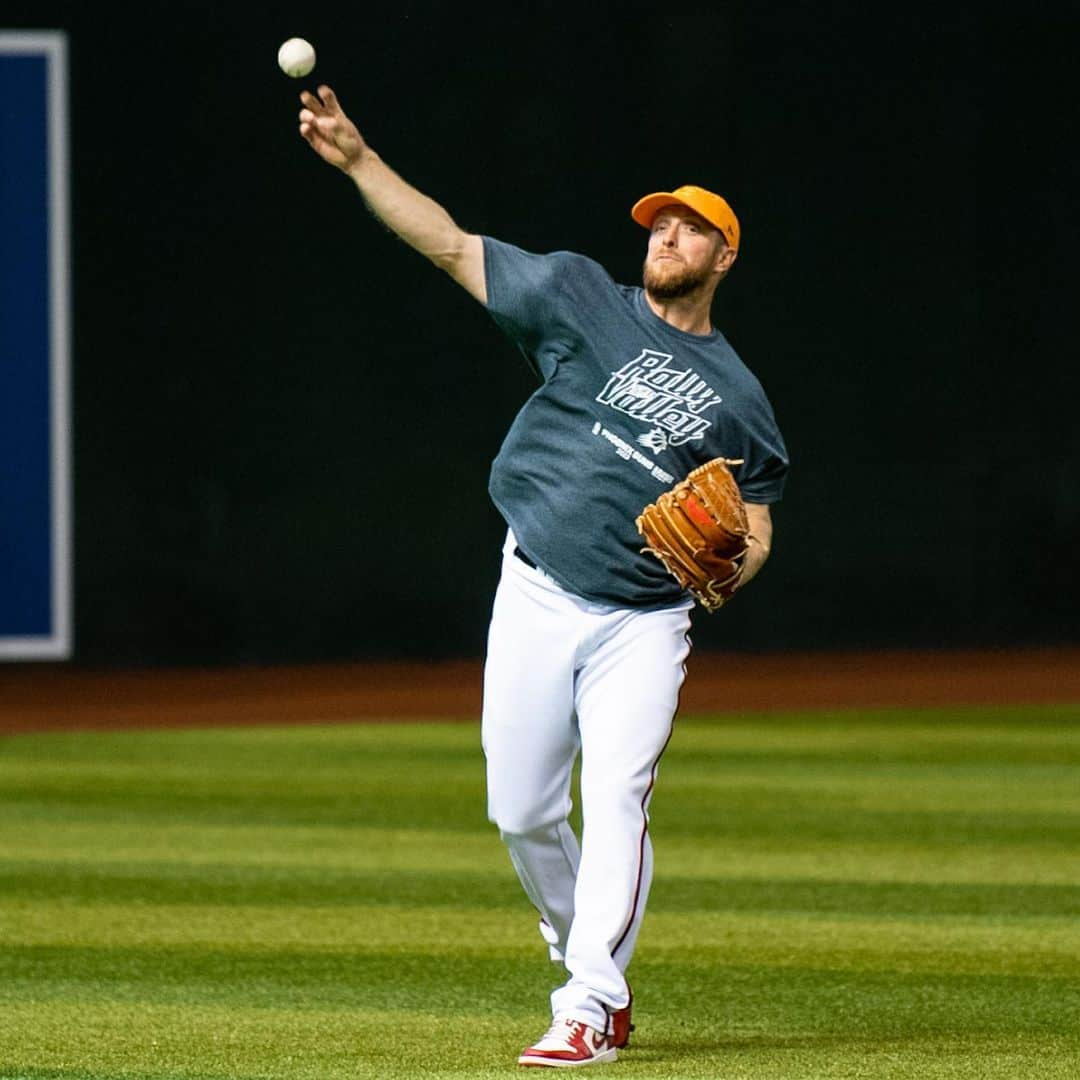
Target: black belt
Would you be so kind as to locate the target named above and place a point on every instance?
(519, 554)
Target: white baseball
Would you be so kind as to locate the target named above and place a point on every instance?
(296, 58)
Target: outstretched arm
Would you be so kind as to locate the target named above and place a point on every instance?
(420, 221)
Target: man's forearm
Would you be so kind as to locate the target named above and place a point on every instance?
(419, 220)
(759, 541)
(756, 554)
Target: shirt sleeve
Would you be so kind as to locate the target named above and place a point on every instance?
(766, 483)
(533, 300)
(762, 478)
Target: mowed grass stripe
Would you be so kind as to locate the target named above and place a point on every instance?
(170, 883)
(879, 1000)
(221, 1043)
(399, 776)
(772, 936)
(1028, 946)
(340, 849)
(356, 846)
(226, 885)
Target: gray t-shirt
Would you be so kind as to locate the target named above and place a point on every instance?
(627, 406)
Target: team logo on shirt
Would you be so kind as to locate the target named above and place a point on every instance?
(654, 440)
(671, 401)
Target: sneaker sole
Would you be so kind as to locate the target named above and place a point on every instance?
(563, 1063)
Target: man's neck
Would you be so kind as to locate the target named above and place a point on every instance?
(687, 313)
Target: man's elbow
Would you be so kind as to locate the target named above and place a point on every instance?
(448, 253)
(462, 257)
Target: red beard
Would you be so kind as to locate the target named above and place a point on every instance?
(671, 280)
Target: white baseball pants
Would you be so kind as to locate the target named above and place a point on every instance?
(564, 674)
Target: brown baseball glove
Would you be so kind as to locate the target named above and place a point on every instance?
(698, 530)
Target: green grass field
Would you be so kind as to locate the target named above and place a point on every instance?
(873, 894)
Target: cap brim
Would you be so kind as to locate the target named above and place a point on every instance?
(644, 210)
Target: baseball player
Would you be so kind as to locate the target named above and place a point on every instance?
(588, 634)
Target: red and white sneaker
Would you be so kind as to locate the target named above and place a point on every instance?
(619, 1026)
(569, 1043)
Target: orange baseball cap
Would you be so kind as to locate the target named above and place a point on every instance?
(711, 207)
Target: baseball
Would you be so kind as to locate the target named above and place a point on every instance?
(296, 58)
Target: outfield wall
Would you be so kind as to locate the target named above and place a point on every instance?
(263, 378)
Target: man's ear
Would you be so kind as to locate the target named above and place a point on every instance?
(724, 258)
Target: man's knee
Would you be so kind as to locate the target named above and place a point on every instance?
(518, 809)
(524, 823)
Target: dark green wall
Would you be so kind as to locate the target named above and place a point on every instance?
(264, 379)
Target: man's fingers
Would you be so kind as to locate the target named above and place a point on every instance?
(323, 124)
(312, 102)
(317, 140)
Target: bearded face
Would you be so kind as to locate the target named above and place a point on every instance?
(668, 278)
(685, 256)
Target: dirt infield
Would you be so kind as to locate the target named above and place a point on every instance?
(51, 698)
